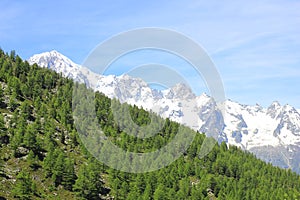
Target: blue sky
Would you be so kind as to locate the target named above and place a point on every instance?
(255, 45)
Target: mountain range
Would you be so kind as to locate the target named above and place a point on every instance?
(271, 133)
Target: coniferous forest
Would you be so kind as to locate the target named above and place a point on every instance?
(42, 156)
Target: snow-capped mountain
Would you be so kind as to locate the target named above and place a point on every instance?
(272, 133)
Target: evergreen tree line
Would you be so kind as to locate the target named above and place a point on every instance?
(43, 157)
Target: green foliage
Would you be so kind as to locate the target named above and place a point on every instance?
(3, 131)
(2, 123)
(30, 140)
(89, 184)
(32, 160)
(81, 186)
(68, 175)
(24, 186)
(1, 96)
(38, 135)
(13, 102)
(58, 168)
(49, 161)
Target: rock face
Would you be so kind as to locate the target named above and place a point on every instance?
(272, 133)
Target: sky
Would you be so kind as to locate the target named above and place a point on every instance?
(255, 45)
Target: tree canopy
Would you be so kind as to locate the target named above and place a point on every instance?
(42, 156)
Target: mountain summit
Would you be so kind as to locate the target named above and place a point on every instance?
(272, 133)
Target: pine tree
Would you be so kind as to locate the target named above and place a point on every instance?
(69, 175)
(25, 110)
(88, 184)
(13, 55)
(124, 190)
(49, 131)
(13, 102)
(58, 169)
(95, 178)
(23, 187)
(3, 135)
(30, 140)
(81, 187)
(1, 166)
(160, 192)
(184, 186)
(49, 160)
(147, 193)
(223, 147)
(32, 160)
(17, 139)
(1, 96)
(73, 137)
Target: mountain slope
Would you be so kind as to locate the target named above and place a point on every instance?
(273, 129)
(41, 156)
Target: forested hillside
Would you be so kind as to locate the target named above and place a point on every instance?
(42, 156)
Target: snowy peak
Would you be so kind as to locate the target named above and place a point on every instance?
(204, 99)
(274, 109)
(242, 125)
(180, 91)
(249, 127)
(53, 60)
(275, 104)
(61, 64)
